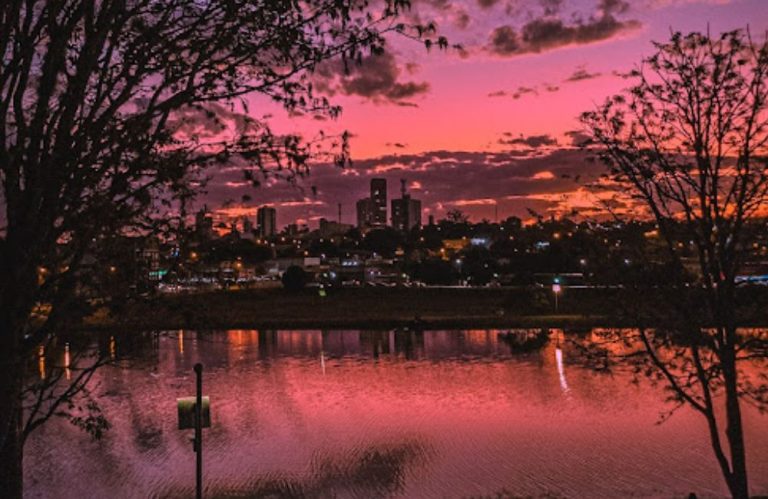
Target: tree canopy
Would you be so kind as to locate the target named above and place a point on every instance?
(110, 113)
(689, 142)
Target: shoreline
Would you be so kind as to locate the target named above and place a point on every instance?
(425, 308)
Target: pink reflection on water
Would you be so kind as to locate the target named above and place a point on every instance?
(372, 413)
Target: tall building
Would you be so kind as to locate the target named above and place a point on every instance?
(406, 211)
(204, 223)
(372, 211)
(266, 218)
(364, 213)
(247, 226)
(378, 202)
(329, 228)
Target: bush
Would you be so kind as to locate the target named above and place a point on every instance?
(294, 278)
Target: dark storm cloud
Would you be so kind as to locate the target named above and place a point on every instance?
(461, 19)
(486, 4)
(532, 141)
(455, 11)
(523, 91)
(548, 32)
(505, 41)
(377, 78)
(475, 181)
(580, 74)
(578, 137)
(551, 7)
(610, 7)
(210, 120)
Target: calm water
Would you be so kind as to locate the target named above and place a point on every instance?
(380, 414)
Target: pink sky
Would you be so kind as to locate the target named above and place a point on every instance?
(412, 103)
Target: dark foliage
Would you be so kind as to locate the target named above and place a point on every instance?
(294, 278)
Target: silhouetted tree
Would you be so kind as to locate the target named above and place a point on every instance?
(688, 141)
(109, 113)
(435, 272)
(294, 278)
(383, 241)
(457, 216)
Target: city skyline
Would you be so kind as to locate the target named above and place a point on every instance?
(404, 248)
(492, 126)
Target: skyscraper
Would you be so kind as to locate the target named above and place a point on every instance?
(266, 218)
(372, 211)
(247, 226)
(378, 202)
(364, 213)
(406, 212)
(204, 223)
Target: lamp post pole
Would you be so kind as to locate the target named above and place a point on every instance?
(199, 430)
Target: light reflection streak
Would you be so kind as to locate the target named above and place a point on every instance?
(41, 362)
(561, 370)
(67, 370)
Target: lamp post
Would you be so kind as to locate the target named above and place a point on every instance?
(194, 413)
(199, 430)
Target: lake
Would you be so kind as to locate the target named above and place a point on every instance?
(380, 414)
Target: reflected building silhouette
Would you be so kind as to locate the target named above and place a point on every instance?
(223, 347)
(267, 343)
(341, 343)
(375, 342)
(409, 343)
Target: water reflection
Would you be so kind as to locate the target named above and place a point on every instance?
(41, 362)
(379, 470)
(377, 413)
(67, 361)
(561, 369)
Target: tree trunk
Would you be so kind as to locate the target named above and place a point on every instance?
(11, 439)
(738, 484)
(15, 307)
(11, 450)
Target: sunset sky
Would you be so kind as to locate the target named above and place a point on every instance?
(490, 125)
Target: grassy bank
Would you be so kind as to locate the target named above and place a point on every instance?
(385, 308)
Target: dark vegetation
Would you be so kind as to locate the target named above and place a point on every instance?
(429, 307)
